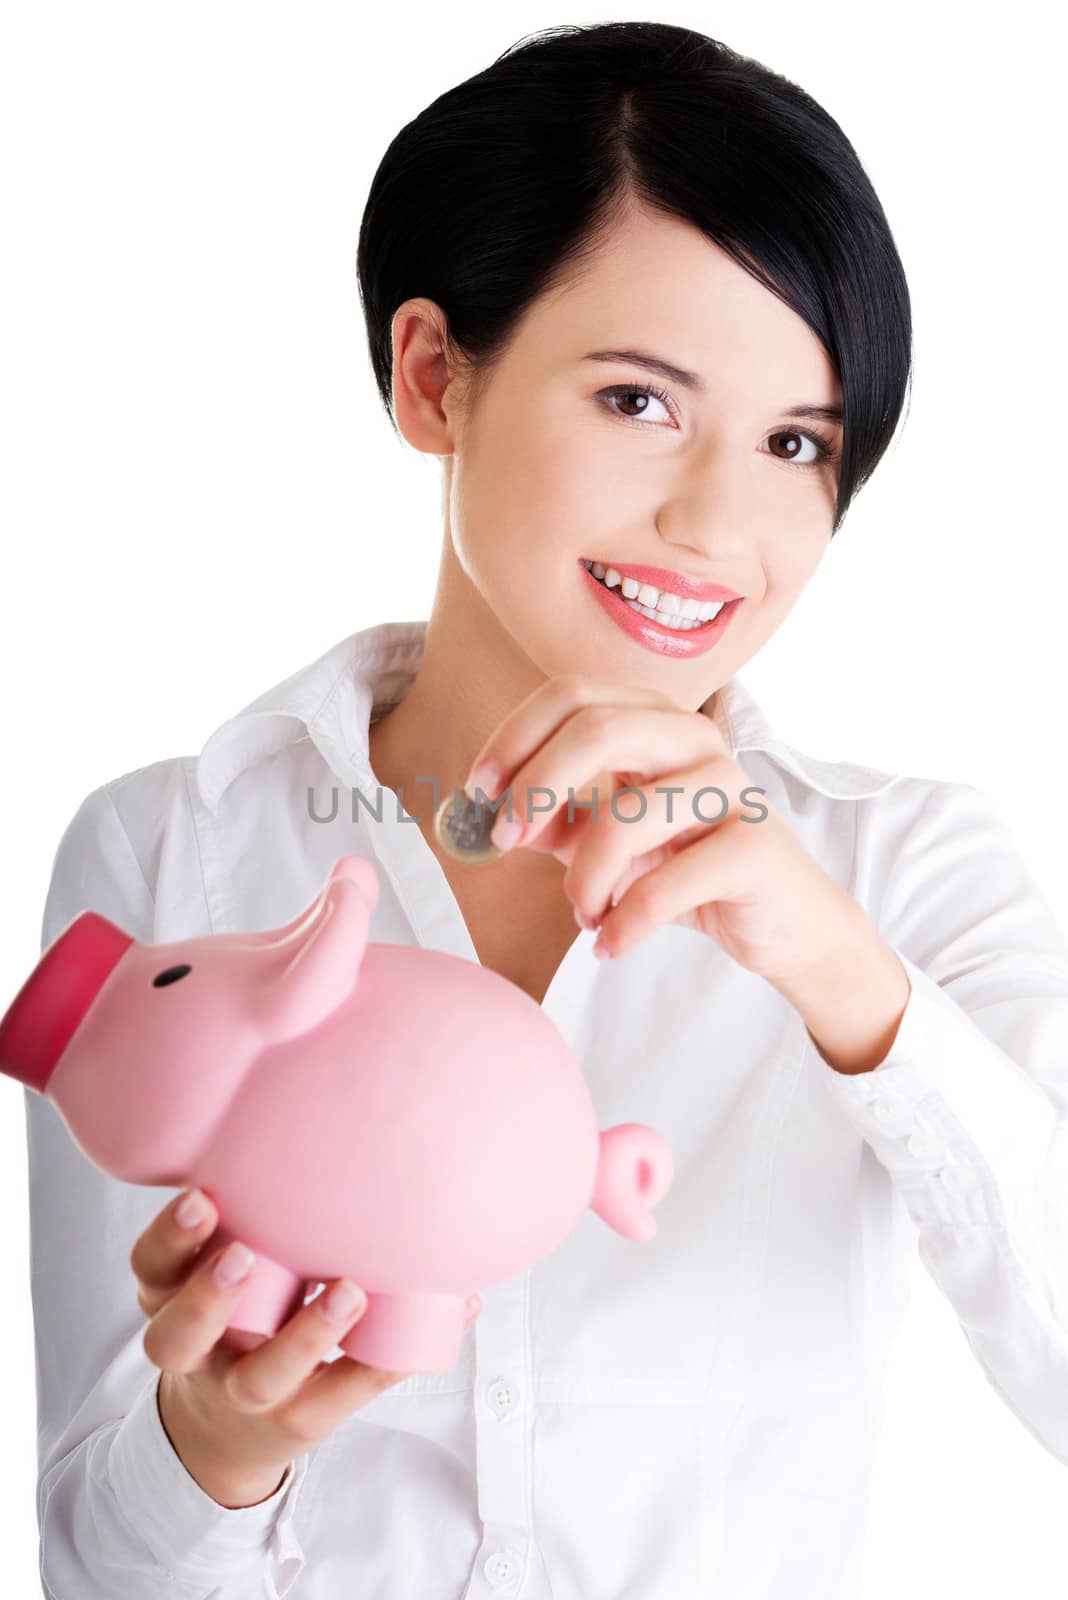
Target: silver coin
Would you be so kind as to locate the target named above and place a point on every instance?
(463, 826)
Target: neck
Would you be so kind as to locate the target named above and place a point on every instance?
(472, 674)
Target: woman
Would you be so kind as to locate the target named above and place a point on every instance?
(637, 293)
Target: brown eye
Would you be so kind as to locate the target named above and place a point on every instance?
(824, 452)
(641, 393)
(791, 434)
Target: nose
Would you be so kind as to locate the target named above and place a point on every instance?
(707, 525)
(706, 551)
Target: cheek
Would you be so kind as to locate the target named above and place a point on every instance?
(556, 464)
(790, 557)
(532, 487)
(501, 459)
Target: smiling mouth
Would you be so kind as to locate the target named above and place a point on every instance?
(679, 621)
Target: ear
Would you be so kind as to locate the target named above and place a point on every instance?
(356, 868)
(324, 967)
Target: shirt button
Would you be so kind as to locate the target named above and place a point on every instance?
(885, 1110)
(953, 1179)
(500, 1568)
(502, 1396)
(923, 1144)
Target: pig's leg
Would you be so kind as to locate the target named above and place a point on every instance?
(408, 1332)
(271, 1295)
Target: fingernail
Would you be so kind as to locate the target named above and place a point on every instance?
(507, 831)
(344, 1298)
(487, 778)
(583, 920)
(234, 1264)
(192, 1210)
(474, 1305)
(601, 950)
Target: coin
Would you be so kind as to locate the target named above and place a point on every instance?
(463, 826)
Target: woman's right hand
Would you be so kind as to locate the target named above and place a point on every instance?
(237, 1418)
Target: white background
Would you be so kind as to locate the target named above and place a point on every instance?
(201, 494)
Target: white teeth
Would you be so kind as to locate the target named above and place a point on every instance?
(666, 620)
(671, 609)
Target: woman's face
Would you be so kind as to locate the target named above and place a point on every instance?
(559, 462)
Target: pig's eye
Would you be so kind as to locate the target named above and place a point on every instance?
(171, 975)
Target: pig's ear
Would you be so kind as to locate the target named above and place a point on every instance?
(324, 968)
(357, 868)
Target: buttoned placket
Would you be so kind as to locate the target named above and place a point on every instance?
(503, 1380)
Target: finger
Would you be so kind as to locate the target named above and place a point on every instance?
(272, 1373)
(537, 716)
(703, 872)
(598, 738)
(183, 1331)
(654, 819)
(341, 1387)
(277, 1370)
(162, 1255)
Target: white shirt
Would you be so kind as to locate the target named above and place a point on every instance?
(690, 1416)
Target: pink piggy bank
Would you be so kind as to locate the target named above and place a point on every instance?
(345, 1104)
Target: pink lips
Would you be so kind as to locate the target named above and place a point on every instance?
(673, 582)
(679, 643)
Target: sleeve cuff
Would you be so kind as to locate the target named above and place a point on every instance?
(962, 1128)
(190, 1534)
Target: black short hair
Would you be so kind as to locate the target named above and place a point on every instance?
(503, 185)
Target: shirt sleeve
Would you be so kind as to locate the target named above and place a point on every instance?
(119, 1516)
(967, 1110)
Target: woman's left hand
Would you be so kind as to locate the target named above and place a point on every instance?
(742, 876)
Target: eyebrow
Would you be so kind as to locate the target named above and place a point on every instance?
(693, 380)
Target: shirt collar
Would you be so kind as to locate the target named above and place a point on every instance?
(331, 700)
